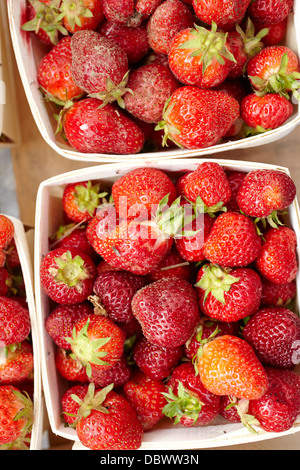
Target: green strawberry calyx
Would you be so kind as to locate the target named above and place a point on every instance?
(113, 92)
(216, 281)
(86, 349)
(184, 403)
(172, 221)
(88, 197)
(70, 271)
(169, 129)
(252, 43)
(242, 406)
(47, 18)
(202, 341)
(209, 45)
(72, 10)
(91, 401)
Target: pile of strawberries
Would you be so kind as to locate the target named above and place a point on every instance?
(131, 76)
(16, 351)
(172, 297)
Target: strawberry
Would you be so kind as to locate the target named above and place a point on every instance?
(118, 374)
(145, 394)
(107, 421)
(97, 342)
(172, 265)
(7, 231)
(224, 13)
(276, 32)
(207, 328)
(115, 290)
(277, 295)
(128, 12)
(103, 267)
(190, 248)
(154, 361)
(69, 406)
(277, 260)
(208, 181)
(142, 186)
(90, 129)
(133, 40)
(15, 322)
(12, 256)
(69, 236)
(99, 66)
(195, 63)
(265, 112)
(278, 408)
(233, 241)
(228, 294)
(16, 414)
(167, 20)
(167, 311)
(54, 74)
(5, 282)
(229, 366)
(270, 11)
(274, 334)
(189, 401)
(70, 368)
(59, 324)
(81, 14)
(16, 363)
(210, 115)
(264, 192)
(150, 86)
(44, 20)
(80, 200)
(235, 179)
(274, 69)
(67, 276)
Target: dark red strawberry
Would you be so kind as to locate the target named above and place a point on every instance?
(15, 323)
(167, 310)
(277, 295)
(5, 281)
(235, 179)
(276, 32)
(118, 374)
(189, 402)
(67, 276)
(270, 11)
(156, 362)
(274, 334)
(228, 294)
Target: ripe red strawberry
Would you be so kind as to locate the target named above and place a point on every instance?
(275, 69)
(277, 260)
(115, 290)
(99, 66)
(15, 323)
(172, 265)
(233, 241)
(167, 311)
(109, 422)
(54, 73)
(128, 12)
(67, 276)
(276, 33)
(189, 401)
(5, 281)
(16, 414)
(156, 362)
(229, 366)
(90, 129)
(69, 236)
(228, 294)
(209, 182)
(69, 406)
(146, 396)
(265, 112)
(142, 186)
(59, 324)
(278, 408)
(80, 200)
(150, 86)
(118, 374)
(7, 231)
(12, 256)
(70, 368)
(270, 11)
(224, 13)
(235, 179)
(81, 14)
(264, 191)
(133, 40)
(274, 334)
(210, 115)
(97, 342)
(167, 20)
(194, 63)
(208, 328)
(43, 18)
(16, 363)
(190, 247)
(277, 295)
